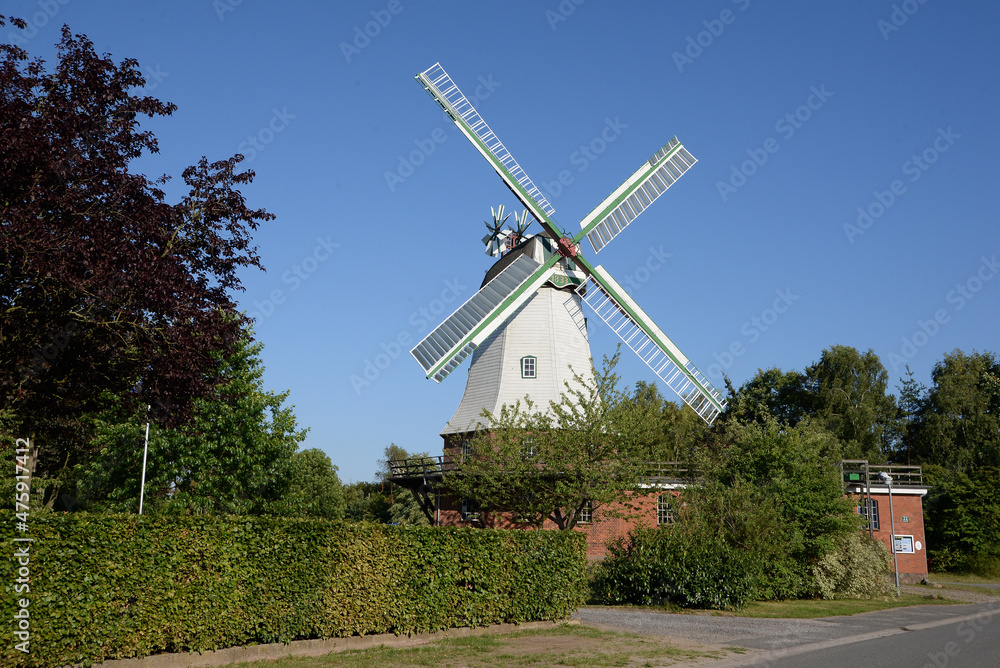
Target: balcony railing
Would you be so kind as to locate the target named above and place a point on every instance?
(860, 472)
(421, 467)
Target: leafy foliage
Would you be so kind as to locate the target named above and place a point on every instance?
(314, 490)
(115, 586)
(845, 392)
(957, 423)
(236, 457)
(107, 289)
(548, 464)
(690, 569)
(963, 518)
(855, 568)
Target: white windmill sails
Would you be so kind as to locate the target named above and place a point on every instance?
(453, 340)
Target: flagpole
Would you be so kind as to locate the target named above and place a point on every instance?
(145, 452)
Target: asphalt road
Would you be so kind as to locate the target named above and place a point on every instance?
(936, 636)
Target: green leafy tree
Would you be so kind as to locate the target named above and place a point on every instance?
(679, 433)
(550, 464)
(314, 490)
(236, 457)
(963, 519)
(367, 502)
(846, 392)
(957, 423)
(912, 396)
(770, 394)
(795, 469)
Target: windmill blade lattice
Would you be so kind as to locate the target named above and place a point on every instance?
(633, 197)
(640, 333)
(448, 95)
(441, 351)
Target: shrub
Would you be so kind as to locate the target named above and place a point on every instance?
(114, 586)
(662, 565)
(855, 568)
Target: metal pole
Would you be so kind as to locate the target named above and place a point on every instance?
(145, 451)
(892, 540)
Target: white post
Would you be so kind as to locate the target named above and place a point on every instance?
(145, 451)
(892, 539)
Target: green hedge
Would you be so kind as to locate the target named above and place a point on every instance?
(114, 586)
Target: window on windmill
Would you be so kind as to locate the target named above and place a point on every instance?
(528, 367)
(586, 512)
(470, 510)
(869, 511)
(664, 511)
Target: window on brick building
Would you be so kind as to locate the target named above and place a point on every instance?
(470, 510)
(869, 511)
(586, 513)
(664, 511)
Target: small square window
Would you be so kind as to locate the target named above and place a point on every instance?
(586, 513)
(528, 367)
(470, 510)
(664, 511)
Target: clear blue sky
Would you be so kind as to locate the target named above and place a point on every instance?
(887, 107)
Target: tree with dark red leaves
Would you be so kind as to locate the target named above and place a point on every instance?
(105, 286)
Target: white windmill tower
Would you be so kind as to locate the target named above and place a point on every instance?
(529, 304)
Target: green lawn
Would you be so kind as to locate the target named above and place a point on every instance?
(809, 609)
(964, 578)
(567, 644)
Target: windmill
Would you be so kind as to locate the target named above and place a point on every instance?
(554, 258)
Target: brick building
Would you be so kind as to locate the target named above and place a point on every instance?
(903, 518)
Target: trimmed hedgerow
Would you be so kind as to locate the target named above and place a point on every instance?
(115, 586)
